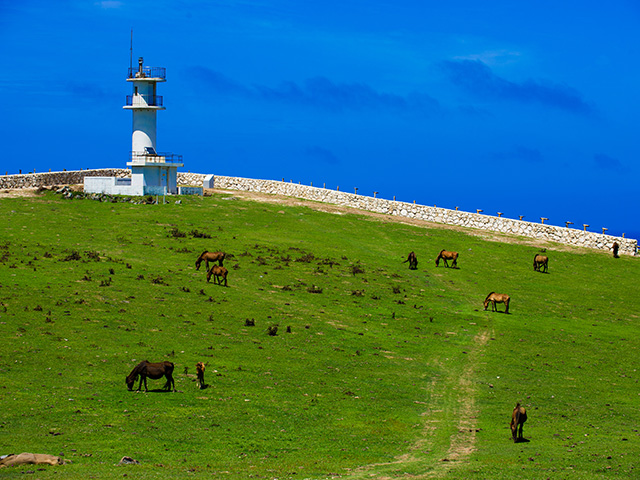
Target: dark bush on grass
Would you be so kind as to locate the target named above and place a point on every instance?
(176, 233)
(355, 269)
(314, 289)
(197, 234)
(357, 293)
(95, 256)
(272, 330)
(73, 256)
(307, 258)
(158, 280)
(249, 322)
(395, 289)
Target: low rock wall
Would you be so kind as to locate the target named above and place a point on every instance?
(46, 179)
(509, 226)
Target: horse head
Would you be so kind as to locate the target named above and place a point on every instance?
(131, 380)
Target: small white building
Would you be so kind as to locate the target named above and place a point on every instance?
(152, 173)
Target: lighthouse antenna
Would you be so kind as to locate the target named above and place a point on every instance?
(131, 54)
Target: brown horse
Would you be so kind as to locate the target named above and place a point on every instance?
(518, 417)
(218, 272)
(446, 255)
(200, 373)
(413, 261)
(154, 371)
(210, 257)
(540, 263)
(494, 298)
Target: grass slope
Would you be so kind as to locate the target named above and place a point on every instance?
(385, 373)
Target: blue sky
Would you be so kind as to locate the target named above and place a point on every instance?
(527, 108)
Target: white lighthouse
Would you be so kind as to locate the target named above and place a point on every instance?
(159, 170)
(152, 173)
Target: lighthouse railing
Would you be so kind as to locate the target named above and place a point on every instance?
(148, 72)
(144, 100)
(141, 157)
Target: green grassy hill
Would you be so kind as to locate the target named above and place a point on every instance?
(376, 371)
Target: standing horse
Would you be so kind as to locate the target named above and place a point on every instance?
(518, 417)
(154, 371)
(446, 255)
(494, 298)
(413, 261)
(218, 272)
(200, 374)
(210, 257)
(540, 263)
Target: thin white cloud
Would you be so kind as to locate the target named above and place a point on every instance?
(109, 4)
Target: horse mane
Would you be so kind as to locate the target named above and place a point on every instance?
(202, 254)
(489, 296)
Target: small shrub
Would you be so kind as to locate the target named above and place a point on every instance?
(314, 289)
(176, 233)
(357, 293)
(395, 289)
(73, 256)
(272, 330)
(249, 323)
(140, 277)
(355, 269)
(95, 256)
(105, 283)
(47, 255)
(286, 259)
(158, 280)
(197, 234)
(307, 258)
(260, 260)
(112, 271)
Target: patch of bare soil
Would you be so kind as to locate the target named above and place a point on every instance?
(33, 192)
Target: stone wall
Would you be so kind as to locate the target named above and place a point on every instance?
(72, 177)
(509, 226)
(552, 233)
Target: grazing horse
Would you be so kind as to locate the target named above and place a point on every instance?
(200, 373)
(446, 255)
(217, 271)
(413, 261)
(494, 298)
(540, 263)
(210, 257)
(615, 248)
(518, 417)
(153, 371)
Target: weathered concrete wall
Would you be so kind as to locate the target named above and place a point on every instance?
(509, 226)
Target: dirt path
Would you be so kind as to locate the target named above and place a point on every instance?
(461, 444)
